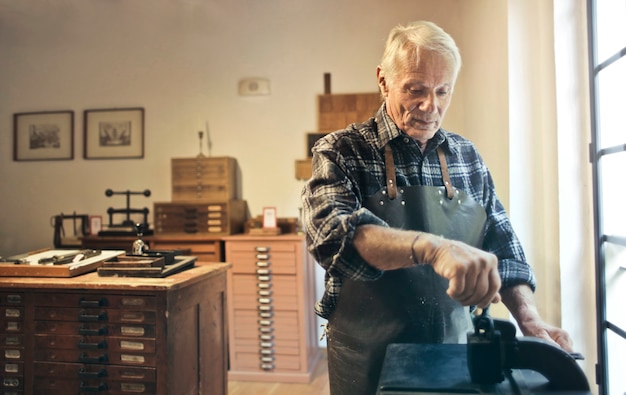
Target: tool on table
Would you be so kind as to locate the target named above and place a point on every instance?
(72, 257)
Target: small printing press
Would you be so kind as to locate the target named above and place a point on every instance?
(494, 361)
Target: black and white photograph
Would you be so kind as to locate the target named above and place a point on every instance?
(47, 135)
(114, 133)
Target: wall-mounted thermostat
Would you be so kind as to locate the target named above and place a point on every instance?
(254, 87)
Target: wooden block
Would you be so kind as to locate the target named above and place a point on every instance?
(303, 169)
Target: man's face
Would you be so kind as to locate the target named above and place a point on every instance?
(418, 98)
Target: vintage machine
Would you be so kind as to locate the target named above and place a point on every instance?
(78, 224)
(494, 361)
(128, 225)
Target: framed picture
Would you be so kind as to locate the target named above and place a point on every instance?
(270, 221)
(95, 224)
(45, 135)
(116, 133)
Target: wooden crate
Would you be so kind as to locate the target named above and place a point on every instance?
(336, 111)
(212, 179)
(219, 218)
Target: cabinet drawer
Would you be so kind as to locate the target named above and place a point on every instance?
(250, 361)
(94, 315)
(284, 325)
(248, 257)
(63, 386)
(95, 329)
(54, 378)
(110, 343)
(95, 300)
(130, 358)
(281, 290)
(86, 371)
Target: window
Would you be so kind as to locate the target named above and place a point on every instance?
(607, 49)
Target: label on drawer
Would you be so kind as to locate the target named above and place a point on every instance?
(132, 358)
(137, 388)
(133, 331)
(134, 302)
(128, 345)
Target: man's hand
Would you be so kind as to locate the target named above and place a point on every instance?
(521, 303)
(473, 273)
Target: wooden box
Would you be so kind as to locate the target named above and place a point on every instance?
(336, 111)
(223, 218)
(213, 179)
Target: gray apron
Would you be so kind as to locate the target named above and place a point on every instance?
(405, 305)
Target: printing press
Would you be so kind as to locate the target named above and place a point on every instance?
(494, 361)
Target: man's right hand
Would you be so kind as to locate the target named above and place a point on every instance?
(473, 273)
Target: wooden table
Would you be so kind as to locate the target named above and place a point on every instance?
(115, 335)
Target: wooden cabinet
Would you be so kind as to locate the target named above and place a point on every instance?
(271, 293)
(110, 335)
(205, 179)
(208, 248)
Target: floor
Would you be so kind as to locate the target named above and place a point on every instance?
(317, 386)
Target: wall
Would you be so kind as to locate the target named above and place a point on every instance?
(181, 60)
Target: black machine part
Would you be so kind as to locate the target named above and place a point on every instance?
(493, 351)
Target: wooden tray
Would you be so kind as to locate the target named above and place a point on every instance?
(32, 268)
(181, 263)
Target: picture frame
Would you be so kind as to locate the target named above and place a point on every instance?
(115, 133)
(95, 224)
(43, 135)
(270, 220)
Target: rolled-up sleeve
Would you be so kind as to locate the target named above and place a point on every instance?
(332, 212)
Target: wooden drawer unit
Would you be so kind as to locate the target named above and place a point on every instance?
(114, 335)
(218, 218)
(271, 286)
(205, 179)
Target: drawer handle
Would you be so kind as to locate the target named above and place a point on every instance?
(262, 249)
(265, 300)
(263, 263)
(267, 359)
(92, 303)
(266, 314)
(266, 329)
(82, 373)
(265, 308)
(266, 344)
(266, 337)
(100, 345)
(87, 359)
(264, 278)
(98, 388)
(267, 366)
(11, 382)
(264, 285)
(267, 351)
(263, 257)
(83, 330)
(265, 292)
(266, 322)
(84, 317)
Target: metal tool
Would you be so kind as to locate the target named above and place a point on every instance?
(69, 257)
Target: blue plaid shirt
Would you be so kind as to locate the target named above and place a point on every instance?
(349, 166)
